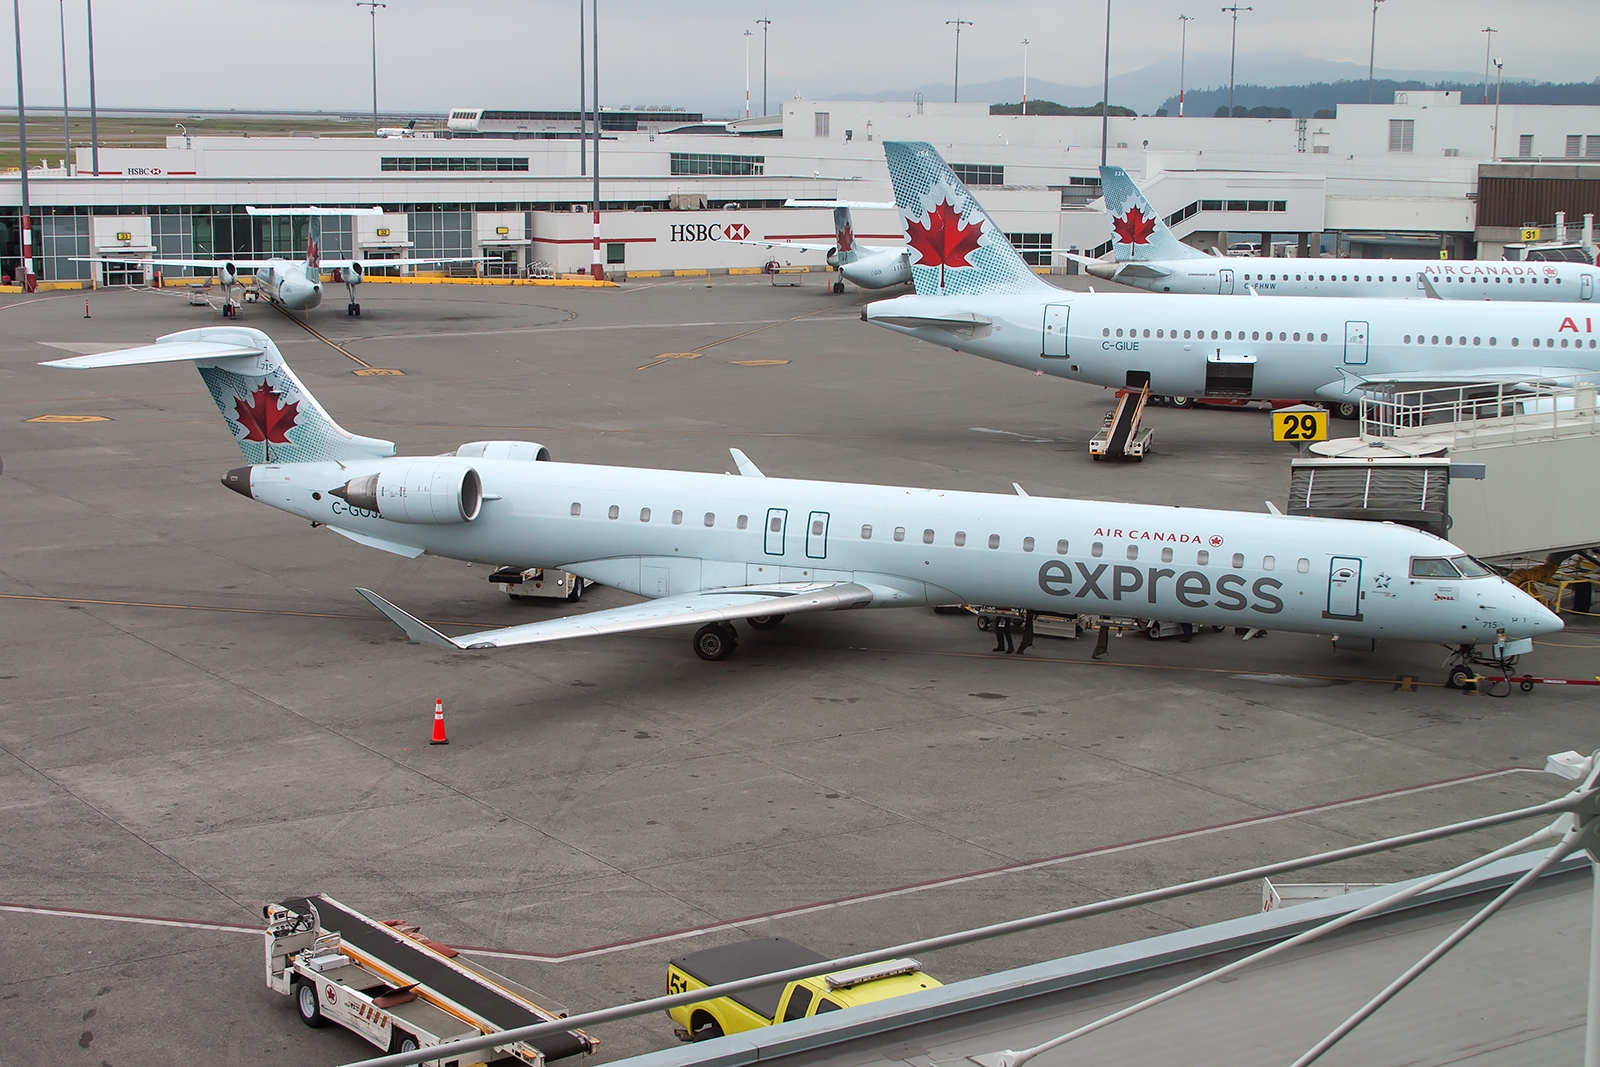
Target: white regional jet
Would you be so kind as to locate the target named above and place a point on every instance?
(868, 267)
(294, 285)
(975, 294)
(1147, 255)
(708, 549)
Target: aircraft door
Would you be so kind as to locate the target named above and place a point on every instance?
(777, 518)
(1225, 282)
(1055, 331)
(1586, 287)
(1355, 343)
(817, 535)
(1344, 588)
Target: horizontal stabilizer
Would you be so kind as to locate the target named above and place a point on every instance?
(962, 323)
(864, 205)
(408, 551)
(168, 352)
(717, 605)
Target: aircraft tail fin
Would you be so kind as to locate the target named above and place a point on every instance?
(956, 248)
(273, 417)
(1137, 232)
(844, 236)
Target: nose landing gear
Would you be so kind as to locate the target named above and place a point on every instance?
(353, 309)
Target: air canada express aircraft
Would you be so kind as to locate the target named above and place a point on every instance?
(868, 267)
(1147, 255)
(708, 549)
(975, 294)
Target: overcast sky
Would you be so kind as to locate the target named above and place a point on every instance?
(434, 55)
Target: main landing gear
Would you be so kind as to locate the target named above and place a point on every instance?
(715, 640)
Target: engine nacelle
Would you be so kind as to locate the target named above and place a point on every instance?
(228, 274)
(833, 257)
(350, 275)
(526, 450)
(428, 493)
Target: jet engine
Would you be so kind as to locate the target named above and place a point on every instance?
(526, 450)
(429, 493)
(350, 275)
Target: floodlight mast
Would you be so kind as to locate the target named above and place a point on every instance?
(1183, 55)
(957, 22)
(1372, 48)
(29, 283)
(764, 22)
(372, 8)
(1233, 50)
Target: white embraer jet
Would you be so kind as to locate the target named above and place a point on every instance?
(294, 285)
(868, 267)
(1147, 255)
(975, 294)
(708, 549)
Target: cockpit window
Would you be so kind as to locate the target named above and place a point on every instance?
(1470, 568)
(1425, 567)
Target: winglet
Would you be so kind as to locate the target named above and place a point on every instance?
(414, 628)
(1427, 286)
(1020, 491)
(746, 468)
(1273, 508)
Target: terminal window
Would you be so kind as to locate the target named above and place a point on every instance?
(453, 163)
(708, 163)
(1401, 132)
(1034, 247)
(980, 173)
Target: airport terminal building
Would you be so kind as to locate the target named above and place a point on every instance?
(1424, 175)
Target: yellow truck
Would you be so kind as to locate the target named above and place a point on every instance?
(770, 1004)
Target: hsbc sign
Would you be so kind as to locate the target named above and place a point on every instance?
(694, 232)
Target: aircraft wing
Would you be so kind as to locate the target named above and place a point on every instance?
(199, 264)
(332, 264)
(799, 246)
(163, 352)
(1351, 383)
(718, 605)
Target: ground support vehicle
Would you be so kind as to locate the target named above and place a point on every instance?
(768, 1005)
(1120, 436)
(400, 990)
(537, 582)
(1050, 624)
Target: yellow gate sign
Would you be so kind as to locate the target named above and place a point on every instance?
(1300, 424)
(1531, 233)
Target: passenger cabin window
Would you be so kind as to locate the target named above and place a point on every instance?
(1268, 563)
(1302, 565)
(816, 528)
(899, 533)
(677, 518)
(613, 512)
(799, 1001)
(1432, 567)
(776, 526)
(1202, 557)
(1238, 560)
(1061, 548)
(1027, 544)
(994, 540)
(1133, 551)
(1096, 549)
(644, 514)
(961, 538)
(1166, 555)
(927, 537)
(744, 521)
(711, 518)
(866, 533)
(577, 509)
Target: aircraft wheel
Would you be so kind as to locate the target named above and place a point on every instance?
(765, 622)
(1180, 401)
(307, 1004)
(838, 287)
(715, 641)
(1346, 411)
(1458, 676)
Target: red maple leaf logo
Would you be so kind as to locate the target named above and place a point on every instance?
(847, 238)
(263, 419)
(943, 241)
(1133, 228)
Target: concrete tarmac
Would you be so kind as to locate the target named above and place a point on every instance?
(198, 714)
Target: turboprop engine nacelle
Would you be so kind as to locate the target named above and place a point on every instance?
(228, 274)
(833, 257)
(431, 493)
(350, 275)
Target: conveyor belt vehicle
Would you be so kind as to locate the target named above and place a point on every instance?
(400, 990)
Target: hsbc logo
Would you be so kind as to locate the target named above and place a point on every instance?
(693, 232)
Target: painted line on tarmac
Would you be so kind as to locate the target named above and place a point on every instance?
(312, 330)
(839, 902)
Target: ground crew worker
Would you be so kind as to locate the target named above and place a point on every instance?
(1027, 633)
(1002, 634)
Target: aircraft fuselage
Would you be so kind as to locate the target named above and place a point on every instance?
(1388, 278)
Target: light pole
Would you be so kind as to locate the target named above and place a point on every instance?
(66, 114)
(583, 101)
(372, 7)
(94, 120)
(957, 22)
(1499, 73)
(1233, 50)
(1488, 41)
(596, 268)
(1372, 48)
(1024, 75)
(763, 22)
(1105, 92)
(747, 36)
(1183, 54)
(29, 284)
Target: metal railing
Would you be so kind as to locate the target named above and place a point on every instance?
(1539, 409)
(1576, 827)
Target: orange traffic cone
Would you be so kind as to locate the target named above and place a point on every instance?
(438, 725)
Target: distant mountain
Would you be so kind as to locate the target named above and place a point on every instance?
(1304, 101)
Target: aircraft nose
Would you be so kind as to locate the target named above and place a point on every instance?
(1546, 621)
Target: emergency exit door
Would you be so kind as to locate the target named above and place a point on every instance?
(1355, 343)
(1055, 331)
(817, 535)
(1225, 282)
(1586, 287)
(1344, 589)
(777, 518)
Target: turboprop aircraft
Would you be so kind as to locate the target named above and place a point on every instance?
(975, 294)
(1147, 255)
(294, 285)
(868, 267)
(707, 549)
